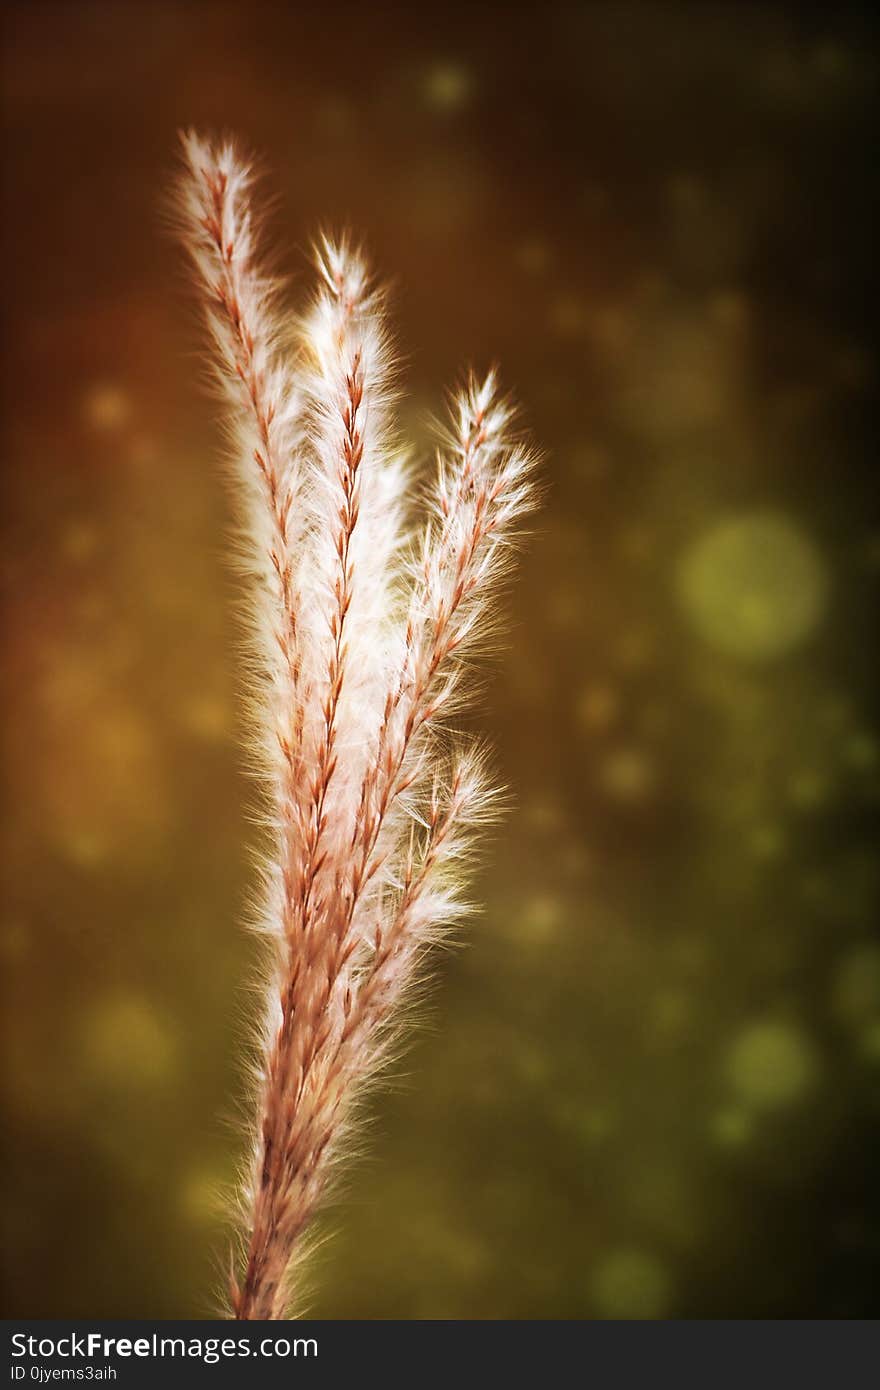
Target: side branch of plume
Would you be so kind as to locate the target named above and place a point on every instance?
(297, 1138)
(264, 414)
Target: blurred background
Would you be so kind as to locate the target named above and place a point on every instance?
(650, 1083)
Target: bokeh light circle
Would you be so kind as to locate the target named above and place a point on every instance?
(772, 1064)
(856, 986)
(754, 586)
(126, 1043)
(631, 1284)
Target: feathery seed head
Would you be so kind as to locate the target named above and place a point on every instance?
(358, 623)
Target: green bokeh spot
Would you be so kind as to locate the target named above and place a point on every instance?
(753, 587)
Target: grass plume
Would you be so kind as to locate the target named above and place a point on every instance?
(364, 604)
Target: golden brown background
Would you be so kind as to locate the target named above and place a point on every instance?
(652, 1080)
